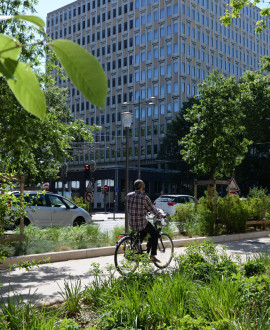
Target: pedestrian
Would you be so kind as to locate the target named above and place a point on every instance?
(138, 204)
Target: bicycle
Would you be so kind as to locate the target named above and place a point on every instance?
(129, 250)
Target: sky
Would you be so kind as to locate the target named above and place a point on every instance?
(46, 6)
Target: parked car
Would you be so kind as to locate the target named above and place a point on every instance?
(169, 203)
(49, 209)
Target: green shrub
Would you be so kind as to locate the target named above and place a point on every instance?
(184, 217)
(79, 202)
(232, 213)
(254, 267)
(257, 208)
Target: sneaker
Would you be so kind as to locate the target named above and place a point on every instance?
(154, 259)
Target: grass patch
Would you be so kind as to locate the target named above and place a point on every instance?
(55, 239)
(205, 291)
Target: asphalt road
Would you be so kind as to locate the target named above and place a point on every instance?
(44, 283)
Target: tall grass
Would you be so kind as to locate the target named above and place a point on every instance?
(61, 239)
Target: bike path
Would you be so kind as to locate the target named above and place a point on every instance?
(44, 282)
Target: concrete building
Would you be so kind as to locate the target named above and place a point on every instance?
(148, 48)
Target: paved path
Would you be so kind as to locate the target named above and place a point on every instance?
(44, 282)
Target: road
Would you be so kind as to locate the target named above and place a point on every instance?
(45, 282)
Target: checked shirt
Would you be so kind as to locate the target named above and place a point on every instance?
(138, 204)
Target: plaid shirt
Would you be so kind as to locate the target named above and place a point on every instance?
(138, 204)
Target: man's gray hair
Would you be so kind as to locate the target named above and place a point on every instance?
(138, 184)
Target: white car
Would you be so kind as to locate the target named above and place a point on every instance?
(169, 203)
(48, 209)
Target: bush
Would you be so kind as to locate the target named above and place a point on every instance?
(254, 267)
(232, 213)
(184, 217)
(257, 208)
(79, 202)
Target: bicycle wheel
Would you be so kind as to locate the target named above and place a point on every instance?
(126, 256)
(164, 251)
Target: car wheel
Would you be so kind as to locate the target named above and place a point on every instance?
(78, 221)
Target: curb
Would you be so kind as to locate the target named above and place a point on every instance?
(109, 250)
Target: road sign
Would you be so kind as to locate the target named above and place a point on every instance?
(233, 185)
(105, 187)
(234, 193)
(89, 186)
(46, 186)
(89, 196)
(116, 189)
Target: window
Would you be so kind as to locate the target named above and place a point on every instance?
(162, 52)
(175, 27)
(175, 66)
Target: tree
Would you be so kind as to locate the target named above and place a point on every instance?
(215, 144)
(255, 99)
(234, 11)
(33, 147)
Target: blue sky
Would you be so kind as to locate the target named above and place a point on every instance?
(45, 6)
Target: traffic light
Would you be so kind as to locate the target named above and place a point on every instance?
(87, 173)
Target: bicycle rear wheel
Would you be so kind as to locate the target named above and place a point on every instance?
(164, 251)
(126, 256)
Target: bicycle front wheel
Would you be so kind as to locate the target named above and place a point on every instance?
(126, 256)
(164, 251)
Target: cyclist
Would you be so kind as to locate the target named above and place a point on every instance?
(138, 204)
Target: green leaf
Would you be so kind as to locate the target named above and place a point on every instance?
(33, 19)
(26, 88)
(9, 48)
(83, 69)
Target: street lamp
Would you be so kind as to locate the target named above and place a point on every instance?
(150, 101)
(127, 121)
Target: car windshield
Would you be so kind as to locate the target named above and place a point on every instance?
(165, 199)
(70, 204)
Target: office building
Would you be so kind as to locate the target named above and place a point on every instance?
(150, 48)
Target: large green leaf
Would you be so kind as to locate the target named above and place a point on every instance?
(26, 88)
(33, 19)
(9, 48)
(83, 69)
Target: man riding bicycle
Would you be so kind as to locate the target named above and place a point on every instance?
(138, 204)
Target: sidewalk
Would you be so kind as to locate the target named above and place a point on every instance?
(103, 216)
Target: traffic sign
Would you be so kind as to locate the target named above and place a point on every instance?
(233, 185)
(46, 186)
(89, 196)
(105, 187)
(116, 189)
(89, 186)
(234, 193)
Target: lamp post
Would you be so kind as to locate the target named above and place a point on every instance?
(139, 103)
(127, 121)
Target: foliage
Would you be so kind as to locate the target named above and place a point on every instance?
(62, 239)
(230, 216)
(184, 217)
(72, 294)
(254, 267)
(37, 148)
(79, 201)
(232, 213)
(83, 69)
(222, 298)
(215, 144)
(234, 11)
(255, 100)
